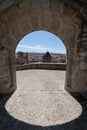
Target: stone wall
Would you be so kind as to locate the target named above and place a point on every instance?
(61, 17)
(49, 66)
(79, 66)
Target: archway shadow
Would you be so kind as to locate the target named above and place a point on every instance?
(7, 122)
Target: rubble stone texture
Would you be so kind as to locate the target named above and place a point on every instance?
(65, 18)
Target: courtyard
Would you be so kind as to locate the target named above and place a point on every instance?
(41, 102)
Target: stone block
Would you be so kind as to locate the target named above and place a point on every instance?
(25, 26)
(45, 19)
(17, 33)
(34, 23)
(83, 66)
(56, 5)
(55, 22)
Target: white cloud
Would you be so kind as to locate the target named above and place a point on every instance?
(36, 47)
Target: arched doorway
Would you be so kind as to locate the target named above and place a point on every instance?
(42, 97)
(42, 42)
(33, 47)
(31, 17)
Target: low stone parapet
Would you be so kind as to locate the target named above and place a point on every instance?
(49, 66)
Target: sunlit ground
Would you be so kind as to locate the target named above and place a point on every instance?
(41, 99)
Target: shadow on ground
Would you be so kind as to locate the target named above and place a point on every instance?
(7, 122)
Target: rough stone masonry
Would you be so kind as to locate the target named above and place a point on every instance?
(65, 18)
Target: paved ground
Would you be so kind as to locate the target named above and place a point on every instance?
(41, 103)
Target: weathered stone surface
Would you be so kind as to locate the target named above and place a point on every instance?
(83, 66)
(45, 21)
(66, 19)
(49, 66)
(25, 25)
(43, 102)
(16, 33)
(5, 4)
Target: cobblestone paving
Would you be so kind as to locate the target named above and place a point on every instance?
(41, 103)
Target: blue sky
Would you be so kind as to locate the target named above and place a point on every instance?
(41, 41)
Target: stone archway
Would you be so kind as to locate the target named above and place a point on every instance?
(53, 16)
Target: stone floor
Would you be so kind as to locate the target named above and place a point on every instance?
(41, 103)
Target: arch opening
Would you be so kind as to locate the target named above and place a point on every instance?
(44, 91)
(38, 43)
(42, 88)
(56, 19)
